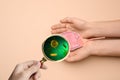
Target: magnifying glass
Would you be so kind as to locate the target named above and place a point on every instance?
(58, 46)
(55, 48)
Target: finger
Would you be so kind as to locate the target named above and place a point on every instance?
(43, 66)
(32, 70)
(82, 54)
(31, 78)
(57, 26)
(57, 31)
(75, 58)
(72, 20)
(66, 20)
(30, 63)
(23, 66)
(37, 75)
(72, 54)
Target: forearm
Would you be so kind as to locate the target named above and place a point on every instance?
(106, 28)
(106, 47)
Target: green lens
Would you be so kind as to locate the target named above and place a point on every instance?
(55, 48)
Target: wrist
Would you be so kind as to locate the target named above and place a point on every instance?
(90, 30)
(89, 46)
(94, 30)
(98, 48)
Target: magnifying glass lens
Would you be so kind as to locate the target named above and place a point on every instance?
(55, 48)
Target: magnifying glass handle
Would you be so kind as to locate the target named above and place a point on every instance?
(42, 61)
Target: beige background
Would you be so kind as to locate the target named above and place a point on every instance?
(24, 24)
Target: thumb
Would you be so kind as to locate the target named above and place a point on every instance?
(66, 20)
(77, 55)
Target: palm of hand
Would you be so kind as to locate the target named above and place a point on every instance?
(76, 25)
(81, 53)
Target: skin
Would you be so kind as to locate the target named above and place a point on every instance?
(29, 70)
(90, 30)
(97, 48)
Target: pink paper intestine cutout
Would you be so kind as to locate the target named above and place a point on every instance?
(74, 39)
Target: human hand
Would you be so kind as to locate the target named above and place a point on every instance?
(79, 26)
(74, 24)
(92, 32)
(27, 71)
(103, 47)
(81, 53)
